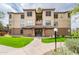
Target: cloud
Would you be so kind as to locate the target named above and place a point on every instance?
(5, 8)
(75, 21)
(58, 6)
(16, 7)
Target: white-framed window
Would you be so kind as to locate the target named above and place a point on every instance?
(22, 23)
(55, 15)
(48, 13)
(10, 16)
(22, 16)
(10, 22)
(22, 20)
(30, 22)
(48, 22)
(29, 13)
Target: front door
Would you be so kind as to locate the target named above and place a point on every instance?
(38, 32)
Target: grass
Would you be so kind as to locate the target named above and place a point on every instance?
(16, 42)
(50, 40)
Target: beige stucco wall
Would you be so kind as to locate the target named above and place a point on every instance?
(33, 18)
(15, 21)
(64, 21)
(51, 18)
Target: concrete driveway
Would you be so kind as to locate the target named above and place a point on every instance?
(36, 47)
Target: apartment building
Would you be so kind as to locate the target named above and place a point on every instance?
(39, 22)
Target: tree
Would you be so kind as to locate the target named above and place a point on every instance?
(75, 10)
(1, 25)
(1, 15)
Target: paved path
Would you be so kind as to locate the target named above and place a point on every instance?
(36, 47)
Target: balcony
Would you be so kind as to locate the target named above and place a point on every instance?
(38, 22)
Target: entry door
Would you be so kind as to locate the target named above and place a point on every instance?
(38, 32)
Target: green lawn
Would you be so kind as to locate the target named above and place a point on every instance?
(50, 40)
(16, 42)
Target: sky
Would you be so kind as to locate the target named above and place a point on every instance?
(18, 7)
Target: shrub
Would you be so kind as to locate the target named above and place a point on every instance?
(73, 45)
(22, 36)
(63, 51)
(75, 34)
(60, 51)
(7, 35)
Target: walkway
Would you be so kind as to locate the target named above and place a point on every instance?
(36, 47)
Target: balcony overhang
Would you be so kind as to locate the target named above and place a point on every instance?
(38, 27)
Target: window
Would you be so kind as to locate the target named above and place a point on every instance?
(48, 13)
(22, 25)
(55, 24)
(29, 22)
(68, 15)
(10, 16)
(55, 15)
(22, 16)
(29, 13)
(21, 31)
(10, 22)
(48, 22)
(22, 22)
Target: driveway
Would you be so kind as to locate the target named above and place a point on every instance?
(36, 47)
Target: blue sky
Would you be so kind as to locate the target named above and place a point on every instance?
(18, 7)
